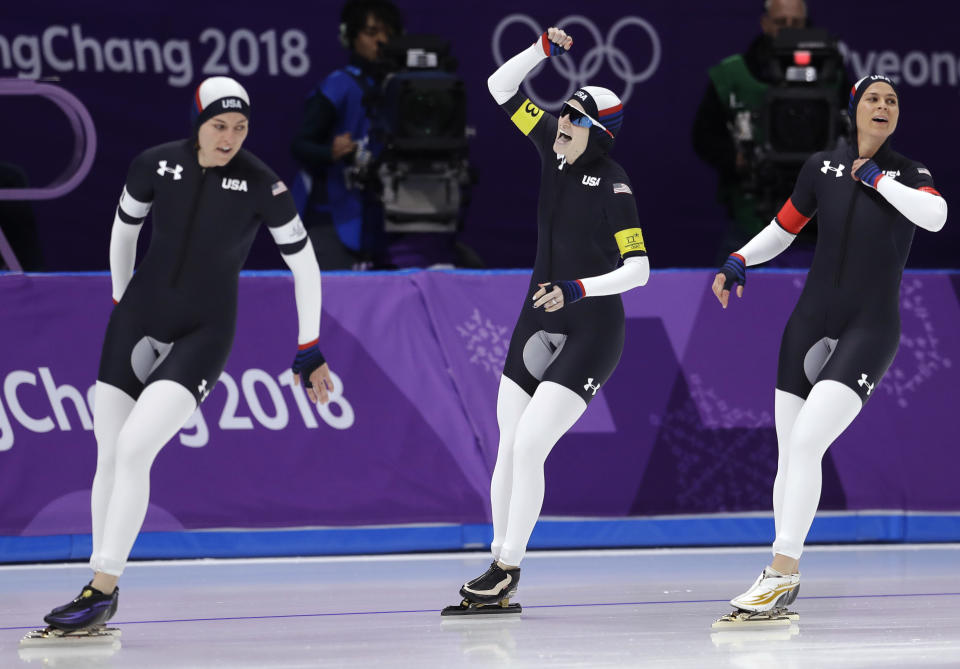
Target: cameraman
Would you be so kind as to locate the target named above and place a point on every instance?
(344, 223)
(738, 90)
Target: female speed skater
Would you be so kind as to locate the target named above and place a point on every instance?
(845, 329)
(570, 333)
(172, 328)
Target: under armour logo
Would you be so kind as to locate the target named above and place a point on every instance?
(863, 382)
(589, 385)
(203, 390)
(175, 171)
(838, 171)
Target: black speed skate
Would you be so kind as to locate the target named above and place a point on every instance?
(84, 618)
(489, 593)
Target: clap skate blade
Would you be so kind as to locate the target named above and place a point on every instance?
(748, 619)
(51, 636)
(468, 608)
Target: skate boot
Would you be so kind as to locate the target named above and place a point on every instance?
(83, 618)
(488, 593)
(765, 603)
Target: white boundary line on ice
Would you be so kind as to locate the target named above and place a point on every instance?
(413, 557)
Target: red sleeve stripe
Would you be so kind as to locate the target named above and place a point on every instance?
(790, 219)
(583, 291)
(309, 344)
(742, 259)
(545, 44)
(927, 189)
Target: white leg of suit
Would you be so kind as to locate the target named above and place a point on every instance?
(829, 409)
(111, 407)
(511, 401)
(551, 412)
(162, 409)
(786, 408)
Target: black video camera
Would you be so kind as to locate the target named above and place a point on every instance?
(419, 118)
(802, 112)
(422, 106)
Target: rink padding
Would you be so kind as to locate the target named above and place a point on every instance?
(550, 533)
(677, 443)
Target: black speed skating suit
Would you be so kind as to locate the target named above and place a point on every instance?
(853, 288)
(177, 317)
(586, 221)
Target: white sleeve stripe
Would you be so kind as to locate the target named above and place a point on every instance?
(133, 207)
(289, 233)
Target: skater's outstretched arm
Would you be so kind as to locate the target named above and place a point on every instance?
(537, 124)
(773, 239)
(505, 82)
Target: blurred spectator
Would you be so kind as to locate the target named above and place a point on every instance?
(344, 223)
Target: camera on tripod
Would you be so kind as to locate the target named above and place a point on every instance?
(418, 117)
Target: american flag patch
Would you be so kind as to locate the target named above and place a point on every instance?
(622, 188)
(923, 170)
(278, 188)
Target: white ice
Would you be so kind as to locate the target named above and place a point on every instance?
(887, 606)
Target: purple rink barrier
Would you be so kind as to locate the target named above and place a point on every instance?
(677, 448)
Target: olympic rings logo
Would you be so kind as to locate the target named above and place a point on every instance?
(581, 73)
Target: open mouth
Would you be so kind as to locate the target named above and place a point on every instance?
(223, 150)
(880, 119)
(562, 137)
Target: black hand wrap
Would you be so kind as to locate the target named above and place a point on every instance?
(307, 360)
(735, 271)
(572, 290)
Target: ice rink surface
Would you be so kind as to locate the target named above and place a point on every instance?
(886, 606)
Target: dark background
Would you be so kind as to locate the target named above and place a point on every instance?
(682, 222)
